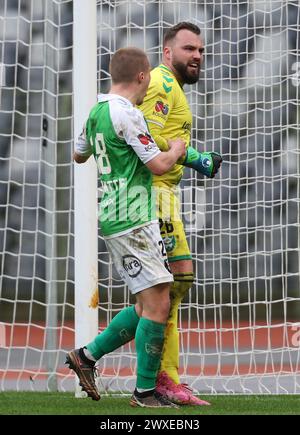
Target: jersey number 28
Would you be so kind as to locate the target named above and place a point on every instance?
(102, 157)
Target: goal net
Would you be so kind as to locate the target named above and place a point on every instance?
(240, 323)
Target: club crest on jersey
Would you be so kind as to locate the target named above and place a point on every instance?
(170, 243)
(145, 138)
(161, 107)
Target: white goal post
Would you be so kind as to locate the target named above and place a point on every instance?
(240, 323)
(85, 176)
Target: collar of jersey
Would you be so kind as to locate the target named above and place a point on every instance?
(166, 69)
(109, 97)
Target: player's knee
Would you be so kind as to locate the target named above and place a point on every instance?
(157, 306)
(161, 308)
(164, 308)
(138, 309)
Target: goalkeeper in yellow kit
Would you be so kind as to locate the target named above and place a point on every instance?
(168, 115)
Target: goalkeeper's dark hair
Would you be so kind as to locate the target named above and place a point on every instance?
(127, 63)
(183, 25)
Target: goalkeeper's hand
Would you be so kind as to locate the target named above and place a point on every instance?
(205, 163)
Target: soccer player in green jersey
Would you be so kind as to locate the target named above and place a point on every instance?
(127, 156)
(168, 115)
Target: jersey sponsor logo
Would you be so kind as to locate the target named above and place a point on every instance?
(158, 114)
(113, 185)
(161, 107)
(145, 138)
(187, 126)
(132, 265)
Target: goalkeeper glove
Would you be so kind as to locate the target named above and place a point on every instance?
(205, 163)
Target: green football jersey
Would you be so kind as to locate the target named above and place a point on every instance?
(117, 135)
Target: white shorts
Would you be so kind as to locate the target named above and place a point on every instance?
(140, 257)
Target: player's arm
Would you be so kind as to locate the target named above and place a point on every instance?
(83, 149)
(78, 158)
(207, 163)
(161, 141)
(164, 161)
(136, 134)
(156, 108)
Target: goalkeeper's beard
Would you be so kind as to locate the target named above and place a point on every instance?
(185, 76)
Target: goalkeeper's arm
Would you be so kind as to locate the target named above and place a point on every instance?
(206, 163)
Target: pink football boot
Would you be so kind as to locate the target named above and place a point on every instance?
(177, 393)
(167, 387)
(193, 400)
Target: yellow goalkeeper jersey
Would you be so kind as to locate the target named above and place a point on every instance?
(168, 116)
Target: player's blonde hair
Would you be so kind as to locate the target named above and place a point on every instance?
(127, 63)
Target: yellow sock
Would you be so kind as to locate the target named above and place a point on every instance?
(170, 354)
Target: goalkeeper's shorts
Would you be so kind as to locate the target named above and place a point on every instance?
(171, 225)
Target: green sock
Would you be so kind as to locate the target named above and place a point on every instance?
(149, 339)
(120, 330)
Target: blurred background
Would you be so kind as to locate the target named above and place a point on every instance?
(243, 227)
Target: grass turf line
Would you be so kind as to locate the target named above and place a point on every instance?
(37, 403)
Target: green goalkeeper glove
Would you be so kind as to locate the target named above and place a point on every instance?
(205, 163)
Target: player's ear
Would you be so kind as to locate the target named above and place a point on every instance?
(141, 76)
(167, 52)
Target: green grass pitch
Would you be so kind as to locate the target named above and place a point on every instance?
(35, 403)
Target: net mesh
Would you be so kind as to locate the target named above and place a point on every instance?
(36, 188)
(240, 322)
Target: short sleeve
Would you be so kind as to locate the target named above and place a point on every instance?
(130, 125)
(82, 147)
